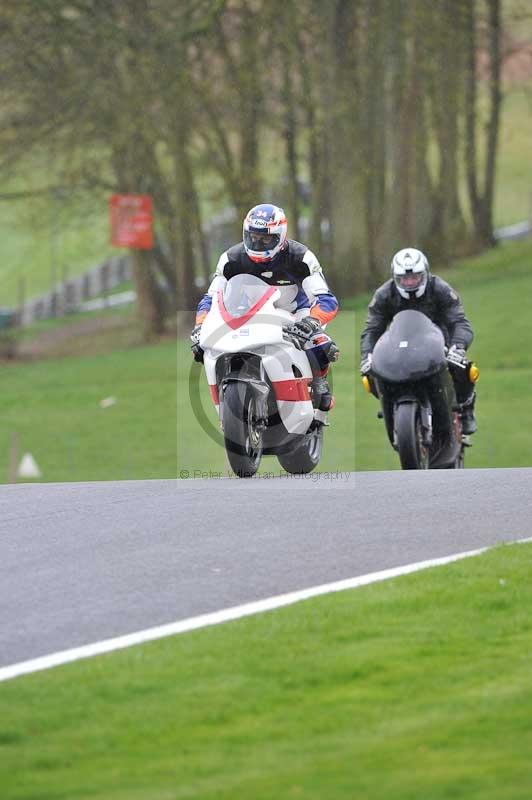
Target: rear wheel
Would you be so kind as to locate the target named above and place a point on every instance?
(242, 431)
(306, 455)
(413, 454)
(459, 463)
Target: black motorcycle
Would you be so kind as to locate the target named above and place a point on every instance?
(410, 375)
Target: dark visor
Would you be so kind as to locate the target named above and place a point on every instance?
(260, 241)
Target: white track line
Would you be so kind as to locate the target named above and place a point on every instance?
(225, 615)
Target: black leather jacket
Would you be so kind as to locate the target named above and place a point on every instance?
(439, 302)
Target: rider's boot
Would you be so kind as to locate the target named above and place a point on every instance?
(322, 398)
(469, 422)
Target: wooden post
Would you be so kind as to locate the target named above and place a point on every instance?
(13, 458)
(21, 300)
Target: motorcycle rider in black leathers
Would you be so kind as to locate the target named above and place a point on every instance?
(289, 265)
(413, 287)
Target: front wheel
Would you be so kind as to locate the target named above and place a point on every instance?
(242, 431)
(413, 454)
(306, 455)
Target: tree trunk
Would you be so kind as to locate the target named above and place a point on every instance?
(446, 69)
(481, 202)
(372, 140)
(315, 154)
(492, 129)
(290, 135)
(411, 192)
(150, 302)
(339, 92)
(188, 292)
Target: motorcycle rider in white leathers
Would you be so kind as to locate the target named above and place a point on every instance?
(267, 253)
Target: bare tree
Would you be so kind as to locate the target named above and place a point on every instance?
(481, 184)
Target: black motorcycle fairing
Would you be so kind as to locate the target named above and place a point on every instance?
(409, 366)
(412, 348)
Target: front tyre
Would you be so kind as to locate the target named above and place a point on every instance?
(242, 432)
(409, 437)
(306, 455)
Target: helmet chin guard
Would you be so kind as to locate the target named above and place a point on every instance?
(264, 232)
(410, 272)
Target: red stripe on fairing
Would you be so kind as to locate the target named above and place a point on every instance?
(295, 390)
(215, 395)
(322, 316)
(237, 322)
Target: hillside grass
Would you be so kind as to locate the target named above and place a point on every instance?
(155, 431)
(49, 239)
(53, 406)
(494, 288)
(414, 688)
(513, 188)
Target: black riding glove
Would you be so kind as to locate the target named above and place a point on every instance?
(458, 350)
(456, 355)
(197, 351)
(365, 364)
(308, 326)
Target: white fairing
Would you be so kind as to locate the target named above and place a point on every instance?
(261, 334)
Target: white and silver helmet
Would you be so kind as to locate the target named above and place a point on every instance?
(410, 271)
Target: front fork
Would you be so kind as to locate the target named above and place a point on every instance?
(260, 390)
(426, 425)
(425, 418)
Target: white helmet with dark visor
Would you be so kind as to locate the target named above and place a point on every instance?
(410, 271)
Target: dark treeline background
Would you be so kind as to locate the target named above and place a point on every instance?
(375, 122)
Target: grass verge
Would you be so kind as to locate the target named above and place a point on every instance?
(139, 437)
(417, 687)
(53, 407)
(494, 288)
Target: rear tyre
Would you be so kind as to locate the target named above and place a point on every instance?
(409, 435)
(242, 435)
(459, 463)
(306, 455)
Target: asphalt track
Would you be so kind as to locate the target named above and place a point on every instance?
(90, 561)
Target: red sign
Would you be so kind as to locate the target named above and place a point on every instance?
(131, 221)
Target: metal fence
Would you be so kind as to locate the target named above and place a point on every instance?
(74, 293)
(80, 293)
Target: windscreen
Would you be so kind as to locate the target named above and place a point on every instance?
(242, 292)
(411, 348)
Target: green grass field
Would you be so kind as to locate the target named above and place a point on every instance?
(54, 408)
(494, 288)
(414, 688)
(153, 431)
(513, 198)
(48, 240)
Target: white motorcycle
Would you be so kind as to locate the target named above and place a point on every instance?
(259, 378)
